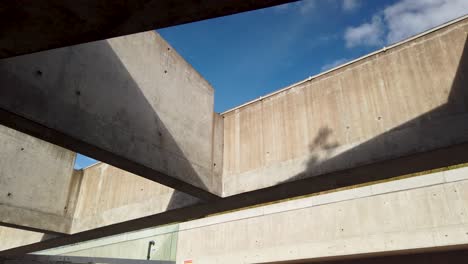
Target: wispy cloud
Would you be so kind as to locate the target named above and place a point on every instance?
(404, 19)
(409, 17)
(351, 5)
(334, 64)
(367, 34)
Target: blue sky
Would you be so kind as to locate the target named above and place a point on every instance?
(251, 54)
(248, 55)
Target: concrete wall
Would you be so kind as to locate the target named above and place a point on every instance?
(99, 195)
(40, 190)
(415, 213)
(35, 182)
(408, 99)
(132, 102)
(108, 195)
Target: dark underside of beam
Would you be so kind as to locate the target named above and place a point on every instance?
(31, 26)
(443, 157)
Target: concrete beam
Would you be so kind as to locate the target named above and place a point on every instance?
(378, 171)
(32, 26)
(131, 102)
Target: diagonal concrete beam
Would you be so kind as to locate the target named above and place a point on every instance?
(359, 175)
(32, 26)
(131, 102)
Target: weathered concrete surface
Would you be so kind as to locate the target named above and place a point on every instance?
(412, 214)
(409, 99)
(35, 182)
(131, 102)
(31, 26)
(12, 237)
(108, 195)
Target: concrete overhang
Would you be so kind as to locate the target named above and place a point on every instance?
(32, 26)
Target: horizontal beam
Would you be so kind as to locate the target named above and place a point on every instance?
(32, 26)
(51, 135)
(364, 174)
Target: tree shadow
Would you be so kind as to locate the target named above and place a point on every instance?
(436, 129)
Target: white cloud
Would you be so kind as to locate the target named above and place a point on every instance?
(409, 17)
(333, 64)
(404, 19)
(367, 34)
(351, 5)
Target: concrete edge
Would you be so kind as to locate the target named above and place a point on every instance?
(427, 180)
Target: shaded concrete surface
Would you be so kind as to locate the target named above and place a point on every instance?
(32, 26)
(410, 99)
(35, 178)
(131, 102)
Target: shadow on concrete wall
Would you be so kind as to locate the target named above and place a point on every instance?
(321, 143)
(112, 92)
(438, 128)
(134, 112)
